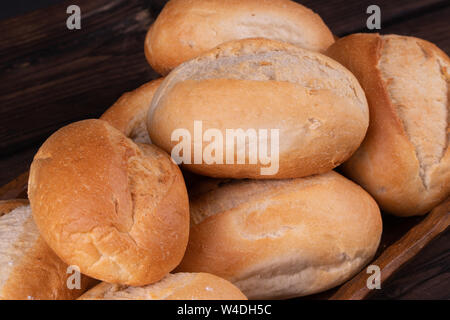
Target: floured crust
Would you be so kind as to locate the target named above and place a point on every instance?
(283, 238)
(30, 270)
(417, 80)
(186, 29)
(179, 286)
(316, 104)
(129, 113)
(404, 161)
(260, 59)
(117, 210)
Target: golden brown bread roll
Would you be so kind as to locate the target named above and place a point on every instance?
(404, 161)
(179, 286)
(129, 113)
(317, 106)
(116, 209)
(29, 269)
(283, 238)
(187, 28)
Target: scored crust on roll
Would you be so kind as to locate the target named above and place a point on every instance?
(29, 269)
(316, 104)
(283, 238)
(116, 209)
(404, 162)
(187, 28)
(129, 113)
(179, 286)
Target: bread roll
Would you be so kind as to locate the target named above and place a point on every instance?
(187, 28)
(317, 106)
(404, 162)
(29, 270)
(179, 286)
(116, 209)
(129, 113)
(283, 238)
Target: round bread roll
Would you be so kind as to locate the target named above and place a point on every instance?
(129, 113)
(186, 29)
(404, 161)
(116, 209)
(283, 238)
(29, 269)
(315, 106)
(179, 286)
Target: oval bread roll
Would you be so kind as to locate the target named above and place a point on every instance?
(404, 162)
(283, 238)
(29, 269)
(317, 106)
(187, 28)
(116, 209)
(179, 286)
(129, 113)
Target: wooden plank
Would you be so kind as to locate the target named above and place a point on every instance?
(432, 26)
(426, 276)
(15, 189)
(13, 165)
(345, 17)
(21, 7)
(52, 76)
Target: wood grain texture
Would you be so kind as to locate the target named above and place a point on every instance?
(345, 17)
(50, 76)
(396, 255)
(433, 26)
(13, 165)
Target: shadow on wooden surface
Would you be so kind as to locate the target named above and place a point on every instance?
(396, 255)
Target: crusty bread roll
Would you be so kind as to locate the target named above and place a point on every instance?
(316, 104)
(29, 269)
(187, 28)
(179, 286)
(404, 162)
(129, 113)
(116, 209)
(283, 238)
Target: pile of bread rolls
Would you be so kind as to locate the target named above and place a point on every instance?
(106, 197)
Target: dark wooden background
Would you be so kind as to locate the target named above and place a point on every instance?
(51, 76)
